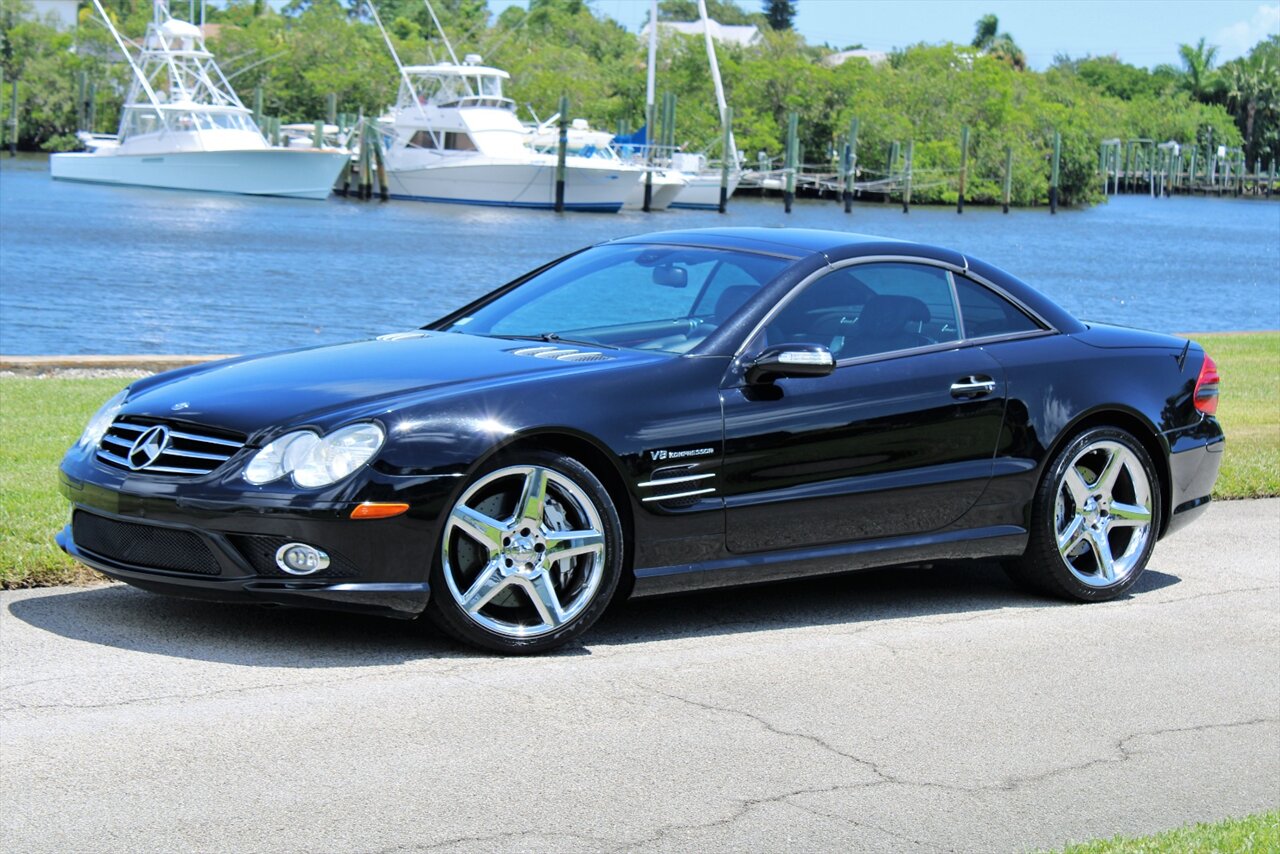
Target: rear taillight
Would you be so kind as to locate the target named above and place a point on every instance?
(1206, 395)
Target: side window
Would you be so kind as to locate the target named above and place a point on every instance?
(986, 313)
(870, 308)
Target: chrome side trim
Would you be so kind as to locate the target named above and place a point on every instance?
(676, 495)
(673, 480)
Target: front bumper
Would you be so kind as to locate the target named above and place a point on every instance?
(216, 541)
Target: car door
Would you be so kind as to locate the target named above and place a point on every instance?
(897, 440)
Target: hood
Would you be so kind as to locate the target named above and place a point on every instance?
(323, 386)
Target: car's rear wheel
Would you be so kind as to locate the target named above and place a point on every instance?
(529, 557)
(1095, 518)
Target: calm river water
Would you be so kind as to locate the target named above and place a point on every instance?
(94, 269)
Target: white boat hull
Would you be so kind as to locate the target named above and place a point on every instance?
(703, 191)
(664, 194)
(517, 185)
(296, 173)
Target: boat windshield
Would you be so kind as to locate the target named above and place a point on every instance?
(139, 121)
(641, 296)
(456, 89)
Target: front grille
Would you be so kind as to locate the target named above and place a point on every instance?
(260, 552)
(171, 448)
(144, 546)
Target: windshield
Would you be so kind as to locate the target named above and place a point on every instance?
(648, 297)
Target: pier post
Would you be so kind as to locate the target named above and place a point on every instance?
(851, 165)
(92, 118)
(670, 125)
(793, 145)
(906, 187)
(257, 106)
(1053, 180)
(1271, 176)
(562, 150)
(380, 164)
(1151, 169)
(317, 134)
(331, 108)
(13, 118)
(1008, 176)
(964, 168)
(725, 161)
(648, 156)
(1191, 169)
(83, 90)
(891, 169)
(366, 165)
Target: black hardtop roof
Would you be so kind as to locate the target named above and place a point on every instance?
(796, 242)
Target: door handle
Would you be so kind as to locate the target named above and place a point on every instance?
(974, 386)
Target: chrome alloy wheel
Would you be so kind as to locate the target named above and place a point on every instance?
(523, 551)
(1103, 514)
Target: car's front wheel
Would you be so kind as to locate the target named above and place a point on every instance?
(529, 556)
(1094, 522)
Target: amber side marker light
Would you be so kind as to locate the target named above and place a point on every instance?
(378, 510)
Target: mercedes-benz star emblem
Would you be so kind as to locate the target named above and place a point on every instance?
(148, 447)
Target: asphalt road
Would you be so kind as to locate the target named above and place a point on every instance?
(930, 709)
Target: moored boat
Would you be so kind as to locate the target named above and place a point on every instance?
(183, 128)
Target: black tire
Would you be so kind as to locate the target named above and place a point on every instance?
(513, 566)
(1080, 573)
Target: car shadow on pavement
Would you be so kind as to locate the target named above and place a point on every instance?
(126, 618)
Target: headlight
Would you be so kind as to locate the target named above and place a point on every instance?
(315, 461)
(280, 457)
(101, 421)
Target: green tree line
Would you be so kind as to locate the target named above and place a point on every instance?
(925, 93)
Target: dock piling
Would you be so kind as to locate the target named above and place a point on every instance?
(724, 160)
(331, 108)
(964, 168)
(562, 150)
(793, 145)
(1053, 180)
(648, 156)
(317, 134)
(13, 118)
(1008, 176)
(380, 164)
(906, 187)
(851, 165)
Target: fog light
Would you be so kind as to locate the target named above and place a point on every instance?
(301, 559)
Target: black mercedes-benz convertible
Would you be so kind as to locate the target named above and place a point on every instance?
(655, 414)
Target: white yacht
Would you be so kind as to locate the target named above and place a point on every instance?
(588, 143)
(703, 182)
(183, 128)
(453, 137)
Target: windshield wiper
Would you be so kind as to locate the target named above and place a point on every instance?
(554, 338)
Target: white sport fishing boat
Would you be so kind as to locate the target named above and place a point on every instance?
(702, 190)
(455, 138)
(183, 128)
(585, 142)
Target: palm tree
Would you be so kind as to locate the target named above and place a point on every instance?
(988, 39)
(1197, 66)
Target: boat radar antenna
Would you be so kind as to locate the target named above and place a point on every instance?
(440, 29)
(404, 75)
(715, 79)
(142, 78)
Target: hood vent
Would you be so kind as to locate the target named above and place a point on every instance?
(561, 354)
(403, 336)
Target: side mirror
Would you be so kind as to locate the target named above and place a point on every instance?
(790, 360)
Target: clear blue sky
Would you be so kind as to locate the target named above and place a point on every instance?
(1141, 32)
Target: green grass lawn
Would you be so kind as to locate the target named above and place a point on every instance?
(39, 419)
(1249, 409)
(1255, 833)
